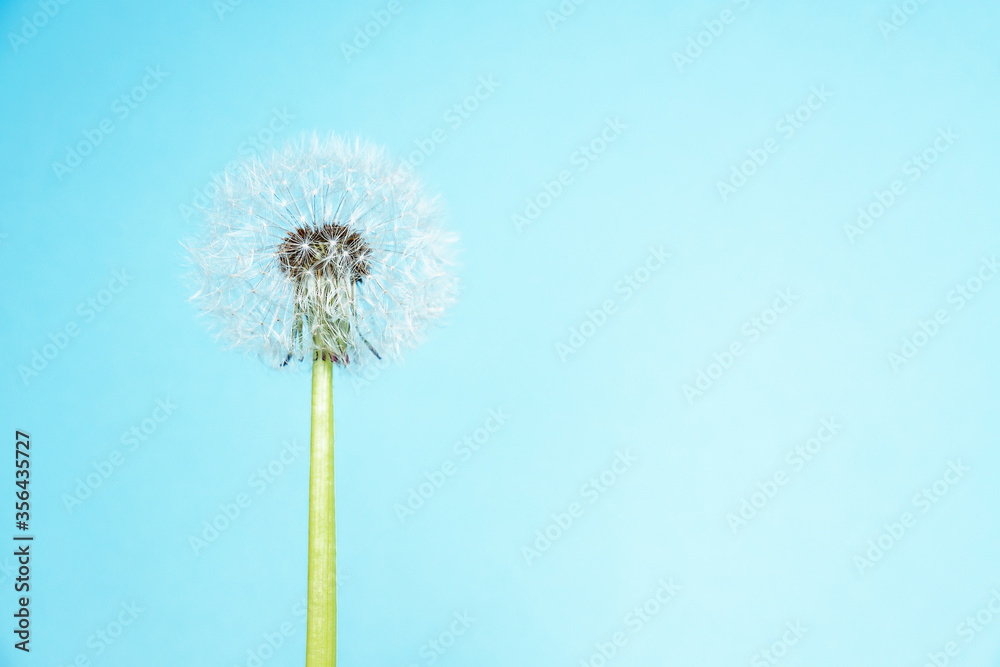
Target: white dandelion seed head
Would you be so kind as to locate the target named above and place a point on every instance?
(328, 246)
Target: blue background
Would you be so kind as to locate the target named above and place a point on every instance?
(125, 208)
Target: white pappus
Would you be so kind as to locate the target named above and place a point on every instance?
(327, 247)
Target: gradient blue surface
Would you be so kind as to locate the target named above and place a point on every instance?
(264, 73)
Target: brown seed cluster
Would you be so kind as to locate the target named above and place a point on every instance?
(330, 250)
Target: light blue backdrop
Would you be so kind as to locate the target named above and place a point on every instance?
(741, 138)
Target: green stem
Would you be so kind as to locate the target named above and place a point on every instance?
(321, 630)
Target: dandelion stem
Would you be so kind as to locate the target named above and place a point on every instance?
(321, 631)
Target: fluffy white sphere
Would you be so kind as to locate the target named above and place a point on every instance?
(327, 246)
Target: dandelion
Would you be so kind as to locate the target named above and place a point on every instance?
(327, 251)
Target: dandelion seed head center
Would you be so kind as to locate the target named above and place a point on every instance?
(330, 250)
